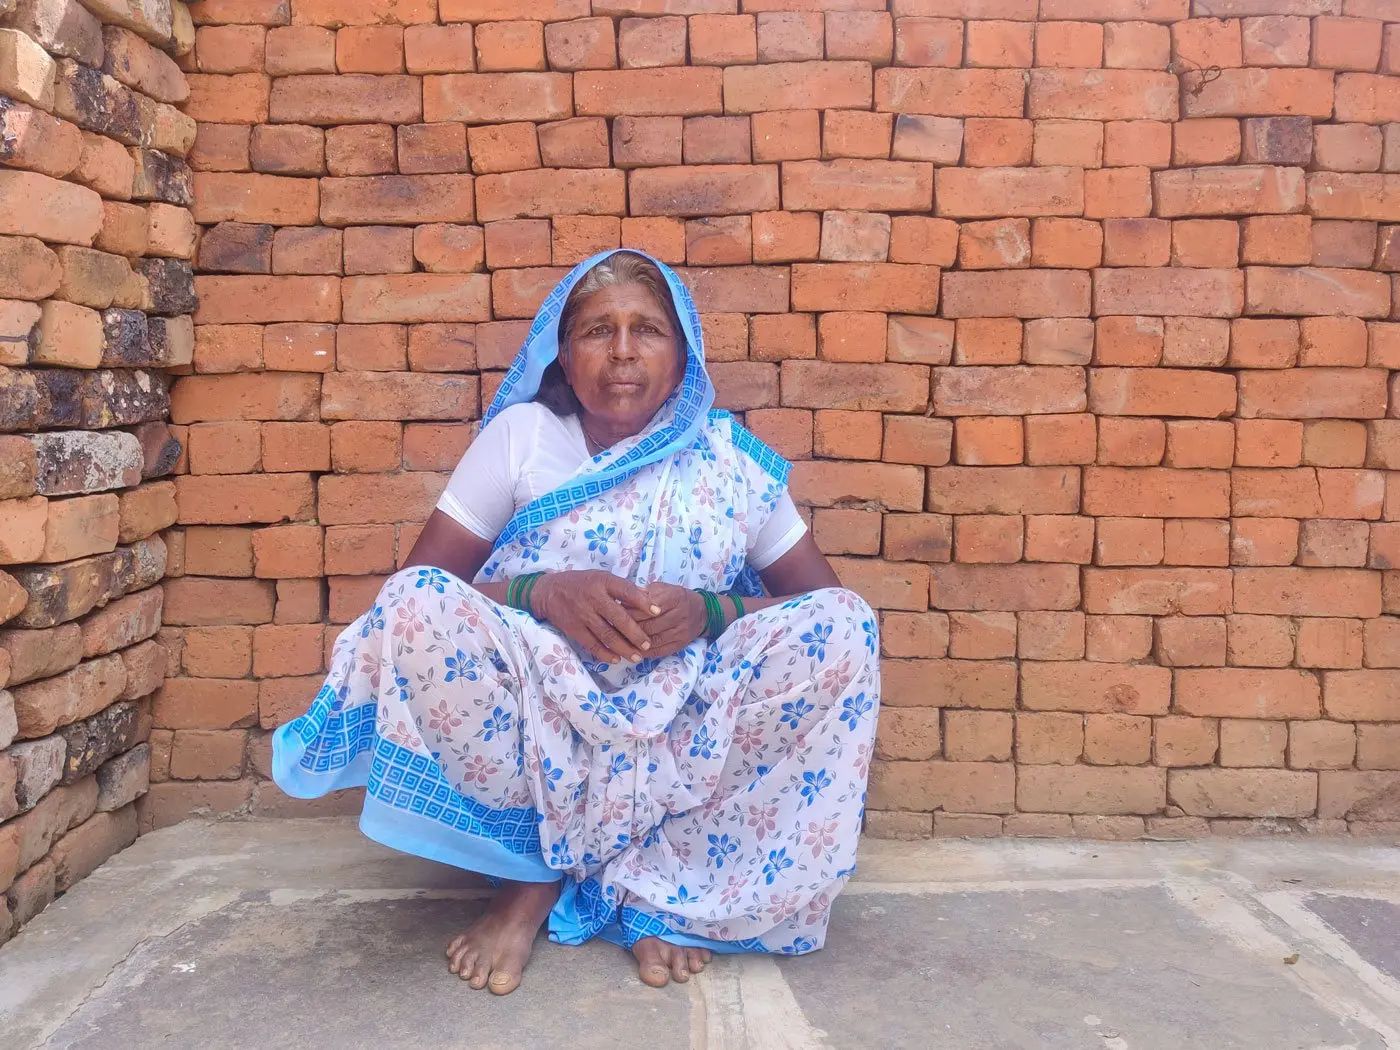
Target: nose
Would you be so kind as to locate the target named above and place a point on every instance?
(624, 344)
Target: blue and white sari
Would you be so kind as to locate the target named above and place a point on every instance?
(710, 798)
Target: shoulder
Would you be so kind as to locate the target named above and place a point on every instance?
(752, 453)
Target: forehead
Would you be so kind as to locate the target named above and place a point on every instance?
(636, 298)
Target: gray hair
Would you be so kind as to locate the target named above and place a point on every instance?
(622, 268)
(616, 270)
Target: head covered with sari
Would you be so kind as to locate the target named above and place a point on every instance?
(693, 470)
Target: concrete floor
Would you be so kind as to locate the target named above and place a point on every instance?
(303, 933)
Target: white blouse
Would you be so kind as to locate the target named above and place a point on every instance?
(528, 451)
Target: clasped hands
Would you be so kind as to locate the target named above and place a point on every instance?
(613, 619)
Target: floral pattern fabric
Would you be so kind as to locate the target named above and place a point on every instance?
(713, 797)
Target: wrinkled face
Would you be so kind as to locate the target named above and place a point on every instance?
(623, 357)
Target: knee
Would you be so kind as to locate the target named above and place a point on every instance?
(852, 619)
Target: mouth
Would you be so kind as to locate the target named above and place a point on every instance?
(624, 386)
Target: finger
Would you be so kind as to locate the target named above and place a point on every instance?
(588, 639)
(629, 637)
(632, 596)
(614, 640)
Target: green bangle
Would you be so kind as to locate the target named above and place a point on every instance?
(714, 615)
(521, 589)
(738, 606)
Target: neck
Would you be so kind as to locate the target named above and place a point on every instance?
(605, 433)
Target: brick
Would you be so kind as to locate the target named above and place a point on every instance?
(353, 98)
(1377, 747)
(1243, 792)
(545, 193)
(892, 486)
(1029, 293)
(956, 786)
(703, 190)
(240, 500)
(1008, 391)
(672, 91)
(347, 499)
(949, 92)
(1085, 789)
(40, 707)
(1362, 696)
(1007, 588)
(1357, 795)
(1080, 94)
(1312, 393)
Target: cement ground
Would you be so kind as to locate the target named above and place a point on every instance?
(305, 934)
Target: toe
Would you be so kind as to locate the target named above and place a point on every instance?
(695, 959)
(680, 971)
(460, 958)
(478, 974)
(651, 963)
(503, 982)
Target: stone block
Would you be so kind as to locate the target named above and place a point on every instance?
(42, 653)
(19, 329)
(124, 779)
(26, 70)
(127, 339)
(78, 461)
(172, 285)
(136, 64)
(19, 400)
(32, 892)
(18, 467)
(145, 669)
(160, 177)
(41, 707)
(38, 768)
(91, 742)
(160, 448)
(123, 397)
(153, 20)
(9, 725)
(124, 622)
(34, 140)
(69, 335)
(29, 270)
(59, 593)
(147, 566)
(172, 341)
(62, 27)
(99, 103)
(78, 854)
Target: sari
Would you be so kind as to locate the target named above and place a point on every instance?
(712, 798)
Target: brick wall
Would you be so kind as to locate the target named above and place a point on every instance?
(96, 291)
(1074, 316)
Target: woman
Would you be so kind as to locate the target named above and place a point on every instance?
(609, 721)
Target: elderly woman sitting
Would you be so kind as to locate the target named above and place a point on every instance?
(610, 720)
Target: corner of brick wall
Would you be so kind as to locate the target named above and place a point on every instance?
(96, 297)
(1074, 315)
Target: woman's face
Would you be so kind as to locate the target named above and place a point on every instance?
(623, 356)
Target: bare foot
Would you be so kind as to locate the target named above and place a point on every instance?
(492, 952)
(659, 962)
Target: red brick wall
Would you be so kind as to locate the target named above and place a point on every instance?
(1074, 316)
(96, 291)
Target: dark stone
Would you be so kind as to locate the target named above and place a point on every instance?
(1278, 140)
(96, 102)
(59, 593)
(123, 397)
(76, 461)
(172, 285)
(124, 778)
(128, 340)
(94, 740)
(60, 396)
(161, 177)
(160, 447)
(19, 400)
(236, 247)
